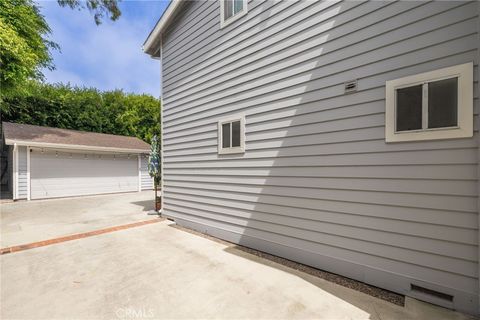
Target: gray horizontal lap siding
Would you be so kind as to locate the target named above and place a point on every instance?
(317, 182)
(22, 173)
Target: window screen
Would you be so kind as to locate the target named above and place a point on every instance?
(228, 7)
(226, 135)
(409, 108)
(442, 103)
(441, 110)
(236, 134)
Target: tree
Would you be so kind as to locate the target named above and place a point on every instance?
(154, 168)
(25, 47)
(80, 108)
(99, 8)
(140, 116)
(24, 43)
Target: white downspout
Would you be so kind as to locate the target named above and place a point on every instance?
(139, 172)
(161, 126)
(15, 171)
(28, 173)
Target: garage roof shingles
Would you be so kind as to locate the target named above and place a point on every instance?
(14, 132)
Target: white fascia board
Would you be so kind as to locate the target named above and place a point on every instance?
(158, 29)
(72, 146)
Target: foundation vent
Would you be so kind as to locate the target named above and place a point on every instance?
(433, 293)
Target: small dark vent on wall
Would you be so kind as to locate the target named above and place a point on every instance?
(432, 293)
(351, 86)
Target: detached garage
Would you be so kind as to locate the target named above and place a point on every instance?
(44, 162)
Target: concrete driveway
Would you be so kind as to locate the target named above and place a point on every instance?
(30, 221)
(157, 271)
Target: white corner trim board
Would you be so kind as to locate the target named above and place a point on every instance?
(28, 174)
(15, 171)
(161, 132)
(139, 172)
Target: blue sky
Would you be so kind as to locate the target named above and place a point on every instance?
(108, 56)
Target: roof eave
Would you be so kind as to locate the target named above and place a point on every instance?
(150, 46)
(72, 146)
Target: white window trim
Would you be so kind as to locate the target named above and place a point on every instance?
(464, 72)
(232, 150)
(223, 22)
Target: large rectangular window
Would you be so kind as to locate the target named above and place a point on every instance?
(231, 135)
(432, 105)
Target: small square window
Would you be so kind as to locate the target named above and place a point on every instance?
(231, 135)
(432, 105)
(231, 10)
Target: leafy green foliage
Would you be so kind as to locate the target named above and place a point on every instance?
(154, 169)
(24, 45)
(99, 8)
(25, 48)
(87, 109)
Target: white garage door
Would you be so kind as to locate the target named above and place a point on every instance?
(63, 174)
